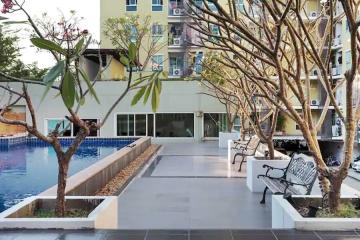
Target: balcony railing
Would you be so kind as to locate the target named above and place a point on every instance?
(336, 70)
(337, 41)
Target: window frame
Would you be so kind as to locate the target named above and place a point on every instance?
(131, 5)
(159, 5)
(161, 65)
(134, 123)
(46, 126)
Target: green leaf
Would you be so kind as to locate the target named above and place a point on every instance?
(79, 45)
(48, 45)
(138, 96)
(155, 100)
(82, 101)
(47, 89)
(132, 52)
(89, 85)
(147, 93)
(53, 73)
(68, 89)
(124, 60)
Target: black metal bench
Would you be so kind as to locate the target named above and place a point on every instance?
(246, 150)
(298, 177)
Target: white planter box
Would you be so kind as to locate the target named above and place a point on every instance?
(254, 167)
(104, 216)
(224, 137)
(285, 216)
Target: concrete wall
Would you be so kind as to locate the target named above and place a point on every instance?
(176, 97)
(93, 178)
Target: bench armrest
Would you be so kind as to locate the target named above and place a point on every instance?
(270, 168)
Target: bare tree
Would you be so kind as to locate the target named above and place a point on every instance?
(277, 45)
(67, 43)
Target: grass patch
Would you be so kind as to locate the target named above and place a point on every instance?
(347, 210)
(70, 213)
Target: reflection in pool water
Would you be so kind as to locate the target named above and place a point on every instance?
(28, 170)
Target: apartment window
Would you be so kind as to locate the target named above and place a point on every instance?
(65, 128)
(175, 125)
(157, 5)
(157, 63)
(157, 30)
(131, 5)
(129, 125)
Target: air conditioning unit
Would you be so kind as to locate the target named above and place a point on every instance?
(313, 14)
(177, 11)
(314, 102)
(156, 68)
(177, 41)
(177, 72)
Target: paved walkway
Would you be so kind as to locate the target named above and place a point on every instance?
(190, 188)
(177, 235)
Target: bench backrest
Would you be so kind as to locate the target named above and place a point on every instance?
(301, 170)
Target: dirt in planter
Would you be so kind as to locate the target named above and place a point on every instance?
(50, 213)
(311, 207)
(112, 187)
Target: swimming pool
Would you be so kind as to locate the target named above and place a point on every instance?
(30, 168)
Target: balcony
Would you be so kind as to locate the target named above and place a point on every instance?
(337, 42)
(176, 9)
(336, 71)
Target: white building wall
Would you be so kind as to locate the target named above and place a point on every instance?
(176, 97)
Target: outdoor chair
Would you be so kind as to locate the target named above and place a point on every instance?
(246, 150)
(297, 179)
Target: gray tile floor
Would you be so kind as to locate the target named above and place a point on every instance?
(190, 189)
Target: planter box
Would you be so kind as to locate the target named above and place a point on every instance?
(285, 216)
(103, 216)
(224, 137)
(254, 167)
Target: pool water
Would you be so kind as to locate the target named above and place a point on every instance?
(28, 170)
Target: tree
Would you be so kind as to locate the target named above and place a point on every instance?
(232, 89)
(67, 42)
(9, 57)
(277, 46)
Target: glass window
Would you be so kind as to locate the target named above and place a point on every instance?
(214, 123)
(131, 5)
(157, 5)
(157, 63)
(93, 133)
(150, 125)
(140, 125)
(134, 125)
(175, 125)
(64, 129)
(157, 30)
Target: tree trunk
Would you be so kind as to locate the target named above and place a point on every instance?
(335, 193)
(271, 148)
(62, 176)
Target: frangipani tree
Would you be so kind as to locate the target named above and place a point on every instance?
(277, 45)
(67, 42)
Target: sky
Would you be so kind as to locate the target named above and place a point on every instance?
(88, 9)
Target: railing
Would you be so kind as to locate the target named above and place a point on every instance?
(337, 41)
(336, 70)
(336, 130)
(176, 40)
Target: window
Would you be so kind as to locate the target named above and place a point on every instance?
(175, 125)
(65, 128)
(157, 30)
(157, 63)
(93, 133)
(157, 5)
(214, 123)
(131, 5)
(128, 125)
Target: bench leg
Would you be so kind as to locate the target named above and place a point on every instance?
(243, 159)
(264, 194)
(233, 162)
